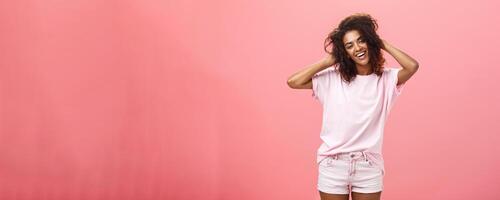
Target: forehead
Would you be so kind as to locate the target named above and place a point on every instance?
(351, 36)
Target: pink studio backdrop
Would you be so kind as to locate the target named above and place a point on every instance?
(188, 99)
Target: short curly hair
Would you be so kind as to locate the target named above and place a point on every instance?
(367, 27)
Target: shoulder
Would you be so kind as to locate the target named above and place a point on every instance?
(391, 71)
(391, 75)
(329, 70)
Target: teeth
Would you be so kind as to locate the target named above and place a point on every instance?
(360, 54)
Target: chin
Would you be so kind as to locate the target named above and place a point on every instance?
(363, 63)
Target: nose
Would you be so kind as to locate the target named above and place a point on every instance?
(356, 47)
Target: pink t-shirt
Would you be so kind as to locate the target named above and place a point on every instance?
(354, 114)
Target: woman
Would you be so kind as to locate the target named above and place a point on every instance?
(357, 94)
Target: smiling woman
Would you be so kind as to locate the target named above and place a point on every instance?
(357, 95)
(356, 46)
(357, 49)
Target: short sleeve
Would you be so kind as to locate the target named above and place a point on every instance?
(321, 84)
(399, 88)
(395, 89)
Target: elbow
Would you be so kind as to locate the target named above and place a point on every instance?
(291, 83)
(414, 66)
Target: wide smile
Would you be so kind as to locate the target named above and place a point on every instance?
(361, 55)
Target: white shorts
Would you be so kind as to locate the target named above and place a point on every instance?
(346, 172)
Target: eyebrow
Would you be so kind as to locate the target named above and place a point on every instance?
(351, 42)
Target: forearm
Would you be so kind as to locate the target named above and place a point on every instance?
(305, 75)
(401, 57)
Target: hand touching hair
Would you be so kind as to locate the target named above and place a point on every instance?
(367, 27)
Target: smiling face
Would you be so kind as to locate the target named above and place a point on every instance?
(356, 47)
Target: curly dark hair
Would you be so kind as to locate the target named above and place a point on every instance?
(367, 27)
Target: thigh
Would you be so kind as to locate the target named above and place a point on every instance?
(368, 178)
(366, 196)
(333, 177)
(326, 196)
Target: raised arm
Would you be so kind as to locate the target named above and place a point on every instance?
(303, 78)
(409, 65)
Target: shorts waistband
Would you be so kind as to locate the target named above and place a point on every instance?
(357, 155)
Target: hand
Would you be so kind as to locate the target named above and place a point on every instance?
(384, 44)
(328, 60)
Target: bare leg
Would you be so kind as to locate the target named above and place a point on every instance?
(326, 196)
(366, 196)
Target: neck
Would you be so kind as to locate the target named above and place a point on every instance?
(364, 70)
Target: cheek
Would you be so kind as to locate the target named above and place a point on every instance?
(350, 53)
(365, 46)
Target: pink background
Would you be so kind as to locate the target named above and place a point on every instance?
(183, 99)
